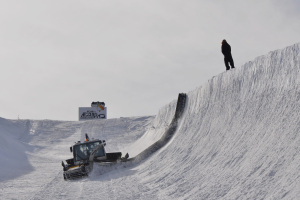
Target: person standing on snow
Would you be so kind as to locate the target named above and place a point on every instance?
(226, 50)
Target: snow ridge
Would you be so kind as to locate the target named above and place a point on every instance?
(239, 137)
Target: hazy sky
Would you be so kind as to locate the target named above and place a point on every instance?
(135, 55)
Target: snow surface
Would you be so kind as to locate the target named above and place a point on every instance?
(238, 139)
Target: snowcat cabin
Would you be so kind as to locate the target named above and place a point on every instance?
(82, 151)
(85, 154)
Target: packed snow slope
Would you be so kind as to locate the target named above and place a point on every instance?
(238, 139)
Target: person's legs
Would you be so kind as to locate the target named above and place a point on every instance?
(231, 63)
(226, 63)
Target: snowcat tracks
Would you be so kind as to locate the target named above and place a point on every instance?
(75, 174)
(169, 132)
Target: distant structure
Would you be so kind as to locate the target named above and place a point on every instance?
(96, 111)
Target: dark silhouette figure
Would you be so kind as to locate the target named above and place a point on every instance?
(226, 50)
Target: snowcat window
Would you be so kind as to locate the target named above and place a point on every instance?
(100, 152)
(83, 151)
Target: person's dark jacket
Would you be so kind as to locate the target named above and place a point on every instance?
(226, 50)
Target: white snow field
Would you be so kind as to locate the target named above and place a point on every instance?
(239, 138)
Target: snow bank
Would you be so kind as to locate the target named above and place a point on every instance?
(239, 138)
(13, 156)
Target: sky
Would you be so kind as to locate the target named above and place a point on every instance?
(134, 55)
